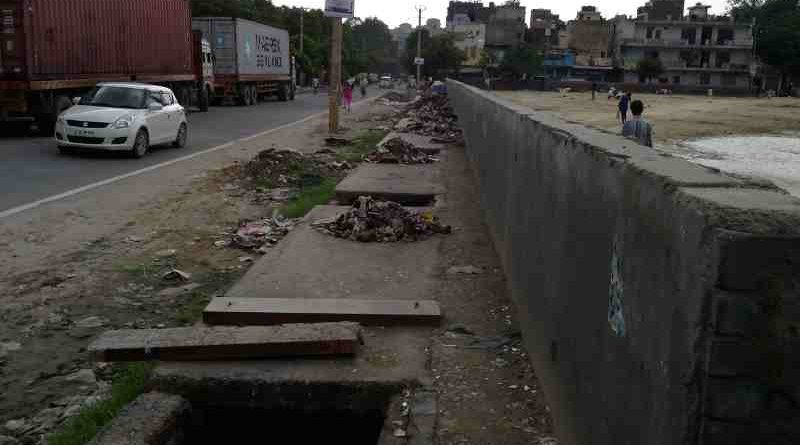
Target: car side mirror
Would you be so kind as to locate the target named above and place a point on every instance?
(76, 100)
(155, 107)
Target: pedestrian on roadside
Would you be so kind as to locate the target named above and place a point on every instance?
(594, 90)
(637, 128)
(363, 85)
(624, 102)
(315, 85)
(347, 95)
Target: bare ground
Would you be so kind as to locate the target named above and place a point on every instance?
(92, 262)
(675, 118)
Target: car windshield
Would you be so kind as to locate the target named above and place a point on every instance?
(116, 97)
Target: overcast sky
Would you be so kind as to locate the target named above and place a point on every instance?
(395, 12)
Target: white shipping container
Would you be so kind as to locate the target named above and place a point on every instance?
(245, 48)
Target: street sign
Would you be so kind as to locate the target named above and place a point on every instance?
(339, 8)
(419, 61)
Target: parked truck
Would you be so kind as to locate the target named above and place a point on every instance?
(251, 60)
(52, 51)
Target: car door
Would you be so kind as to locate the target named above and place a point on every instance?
(157, 121)
(174, 114)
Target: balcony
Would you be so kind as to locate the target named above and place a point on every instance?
(661, 43)
(680, 65)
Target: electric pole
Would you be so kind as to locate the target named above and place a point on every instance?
(302, 19)
(335, 75)
(420, 8)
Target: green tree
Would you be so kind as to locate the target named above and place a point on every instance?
(440, 53)
(649, 68)
(776, 31)
(523, 60)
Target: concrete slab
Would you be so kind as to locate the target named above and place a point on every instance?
(406, 184)
(310, 264)
(152, 419)
(424, 143)
(681, 172)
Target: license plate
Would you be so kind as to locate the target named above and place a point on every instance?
(82, 132)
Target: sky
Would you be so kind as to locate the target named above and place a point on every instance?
(395, 12)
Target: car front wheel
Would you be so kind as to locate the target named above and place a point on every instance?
(141, 144)
(183, 133)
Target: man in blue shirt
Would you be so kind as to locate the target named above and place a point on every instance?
(637, 128)
(624, 101)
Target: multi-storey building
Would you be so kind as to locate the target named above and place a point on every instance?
(505, 24)
(698, 51)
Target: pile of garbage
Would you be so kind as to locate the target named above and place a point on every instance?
(288, 168)
(370, 220)
(432, 116)
(258, 235)
(398, 151)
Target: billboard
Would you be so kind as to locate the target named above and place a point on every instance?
(339, 8)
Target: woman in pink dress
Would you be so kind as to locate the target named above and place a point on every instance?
(347, 94)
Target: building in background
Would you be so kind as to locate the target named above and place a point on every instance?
(505, 24)
(400, 35)
(698, 51)
(434, 27)
(590, 39)
(470, 38)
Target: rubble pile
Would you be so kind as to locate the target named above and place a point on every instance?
(370, 220)
(258, 235)
(432, 116)
(398, 151)
(288, 168)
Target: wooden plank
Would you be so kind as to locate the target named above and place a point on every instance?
(218, 343)
(272, 311)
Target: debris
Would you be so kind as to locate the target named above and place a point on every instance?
(13, 426)
(10, 346)
(394, 96)
(245, 259)
(370, 220)
(398, 151)
(337, 142)
(464, 270)
(176, 274)
(91, 322)
(166, 253)
(133, 239)
(176, 291)
(256, 235)
(399, 432)
(221, 243)
(275, 169)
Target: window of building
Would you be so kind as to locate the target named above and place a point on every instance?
(658, 34)
(649, 32)
(705, 79)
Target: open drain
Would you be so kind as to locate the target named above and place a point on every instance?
(210, 424)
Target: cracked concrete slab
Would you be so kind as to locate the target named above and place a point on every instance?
(406, 184)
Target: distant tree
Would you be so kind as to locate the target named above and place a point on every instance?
(440, 53)
(649, 68)
(521, 61)
(372, 45)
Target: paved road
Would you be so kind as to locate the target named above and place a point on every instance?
(31, 168)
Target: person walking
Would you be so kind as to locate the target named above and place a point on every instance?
(315, 85)
(624, 102)
(347, 95)
(637, 128)
(363, 85)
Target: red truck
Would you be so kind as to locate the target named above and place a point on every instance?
(54, 50)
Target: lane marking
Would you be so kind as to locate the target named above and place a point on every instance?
(86, 188)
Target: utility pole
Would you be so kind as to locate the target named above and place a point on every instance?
(420, 8)
(335, 75)
(302, 20)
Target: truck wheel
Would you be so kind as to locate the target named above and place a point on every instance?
(253, 95)
(204, 99)
(283, 93)
(141, 144)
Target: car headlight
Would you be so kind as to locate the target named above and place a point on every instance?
(123, 121)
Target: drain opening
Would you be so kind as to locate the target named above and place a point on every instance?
(216, 424)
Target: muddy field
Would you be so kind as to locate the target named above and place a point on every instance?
(674, 118)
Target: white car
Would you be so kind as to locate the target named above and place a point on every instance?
(128, 117)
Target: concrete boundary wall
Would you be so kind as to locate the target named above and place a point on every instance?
(658, 299)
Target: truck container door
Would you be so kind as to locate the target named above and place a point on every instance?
(12, 51)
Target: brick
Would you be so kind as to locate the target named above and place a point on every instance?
(738, 314)
(735, 399)
(734, 357)
(747, 261)
(152, 419)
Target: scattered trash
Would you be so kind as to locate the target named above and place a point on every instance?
(133, 239)
(337, 142)
(394, 96)
(176, 291)
(91, 322)
(245, 259)
(370, 220)
(221, 243)
(166, 253)
(398, 151)
(399, 432)
(276, 169)
(256, 235)
(464, 270)
(175, 274)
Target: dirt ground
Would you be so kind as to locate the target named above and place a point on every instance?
(94, 262)
(675, 118)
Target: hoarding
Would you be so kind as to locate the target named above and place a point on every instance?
(339, 8)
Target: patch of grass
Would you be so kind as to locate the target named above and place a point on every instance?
(126, 386)
(192, 309)
(363, 144)
(308, 198)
